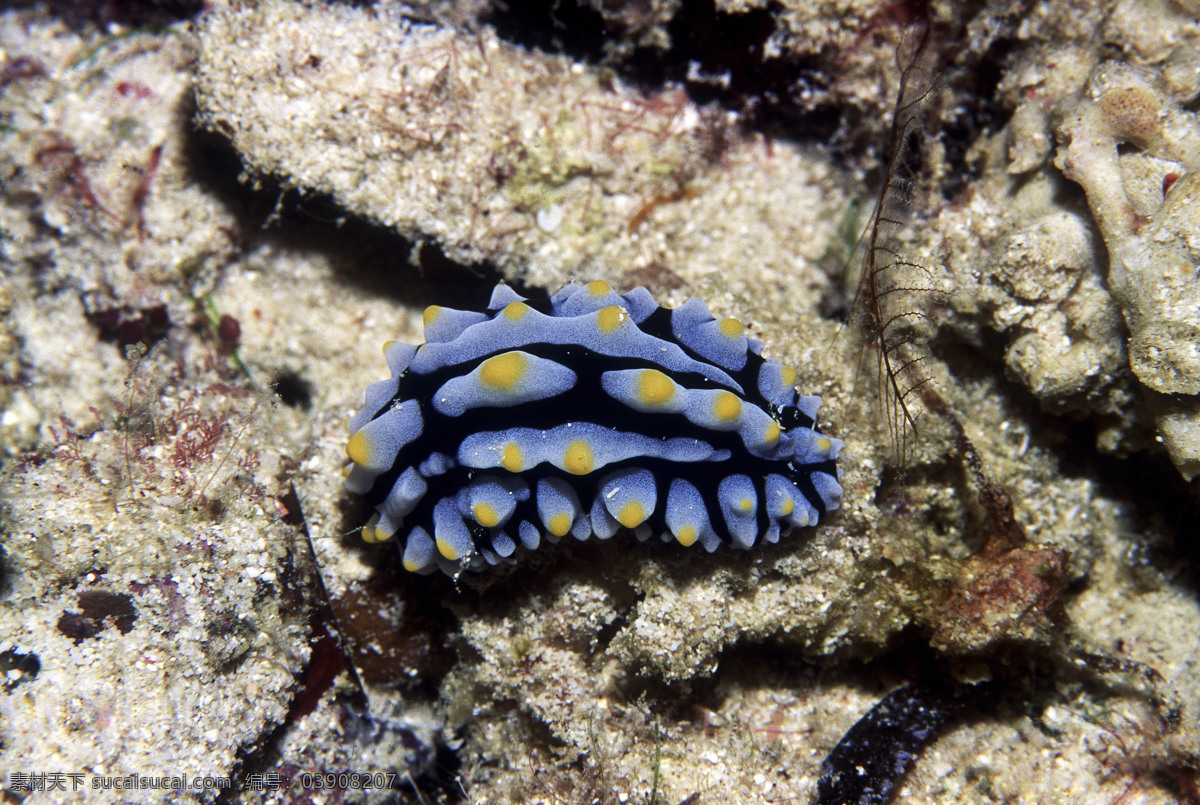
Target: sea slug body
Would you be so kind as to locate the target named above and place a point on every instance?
(584, 414)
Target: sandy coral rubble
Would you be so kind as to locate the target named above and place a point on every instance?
(538, 165)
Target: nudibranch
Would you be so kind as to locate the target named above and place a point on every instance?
(584, 414)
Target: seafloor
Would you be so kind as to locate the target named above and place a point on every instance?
(211, 218)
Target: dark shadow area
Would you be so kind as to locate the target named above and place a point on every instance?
(1147, 484)
(718, 57)
(731, 59)
(366, 254)
(126, 13)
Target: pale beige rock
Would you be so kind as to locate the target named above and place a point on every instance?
(544, 168)
(1154, 251)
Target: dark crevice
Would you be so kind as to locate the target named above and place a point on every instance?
(1147, 482)
(293, 389)
(103, 14)
(717, 57)
(722, 58)
(553, 27)
(366, 254)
